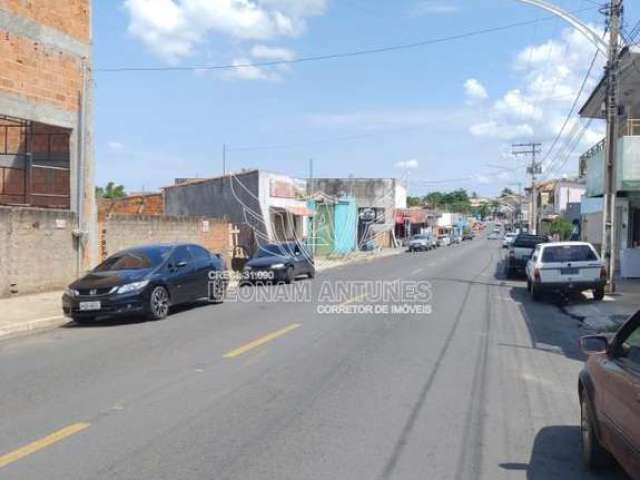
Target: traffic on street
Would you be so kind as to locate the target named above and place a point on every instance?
(485, 386)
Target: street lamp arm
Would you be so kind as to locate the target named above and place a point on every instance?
(573, 21)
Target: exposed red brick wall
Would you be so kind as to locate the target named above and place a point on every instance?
(68, 16)
(117, 232)
(151, 204)
(38, 73)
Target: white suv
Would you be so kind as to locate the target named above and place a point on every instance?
(565, 267)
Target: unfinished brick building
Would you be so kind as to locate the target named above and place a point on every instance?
(46, 138)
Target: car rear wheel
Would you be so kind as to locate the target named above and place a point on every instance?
(312, 273)
(159, 303)
(219, 289)
(598, 293)
(594, 456)
(534, 291)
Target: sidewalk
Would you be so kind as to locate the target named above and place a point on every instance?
(613, 311)
(26, 314)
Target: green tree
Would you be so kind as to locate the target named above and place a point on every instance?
(414, 201)
(506, 192)
(111, 190)
(456, 201)
(562, 227)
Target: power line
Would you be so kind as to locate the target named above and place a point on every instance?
(334, 56)
(573, 106)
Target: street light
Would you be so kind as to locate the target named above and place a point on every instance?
(576, 23)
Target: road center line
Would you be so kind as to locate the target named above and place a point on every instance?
(260, 341)
(354, 299)
(44, 442)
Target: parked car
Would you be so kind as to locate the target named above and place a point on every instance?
(609, 391)
(495, 235)
(565, 267)
(279, 262)
(444, 240)
(508, 239)
(420, 243)
(146, 280)
(520, 252)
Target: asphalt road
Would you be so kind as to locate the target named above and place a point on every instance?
(482, 387)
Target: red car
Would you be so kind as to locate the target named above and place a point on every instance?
(609, 390)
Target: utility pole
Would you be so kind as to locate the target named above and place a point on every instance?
(224, 159)
(531, 149)
(310, 185)
(612, 110)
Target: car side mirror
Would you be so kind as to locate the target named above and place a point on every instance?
(181, 264)
(591, 344)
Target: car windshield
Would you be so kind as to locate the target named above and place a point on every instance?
(419, 237)
(135, 259)
(528, 241)
(275, 249)
(568, 253)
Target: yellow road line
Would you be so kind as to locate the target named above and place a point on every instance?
(260, 341)
(44, 442)
(354, 299)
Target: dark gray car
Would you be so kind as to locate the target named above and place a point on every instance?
(279, 262)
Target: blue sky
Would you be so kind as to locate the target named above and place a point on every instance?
(439, 113)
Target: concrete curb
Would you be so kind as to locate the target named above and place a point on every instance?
(32, 326)
(38, 325)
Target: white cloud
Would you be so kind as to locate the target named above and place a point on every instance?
(248, 72)
(516, 106)
(493, 129)
(407, 164)
(115, 146)
(264, 52)
(434, 7)
(172, 29)
(549, 76)
(475, 91)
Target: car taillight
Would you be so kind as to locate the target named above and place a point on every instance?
(603, 273)
(536, 274)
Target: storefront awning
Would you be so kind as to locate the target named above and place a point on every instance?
(412, 215)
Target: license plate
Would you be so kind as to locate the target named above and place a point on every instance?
(569, 271)
(87, 306)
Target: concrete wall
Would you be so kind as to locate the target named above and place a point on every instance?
(235, 198)
(37, 249)
(118, 232)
